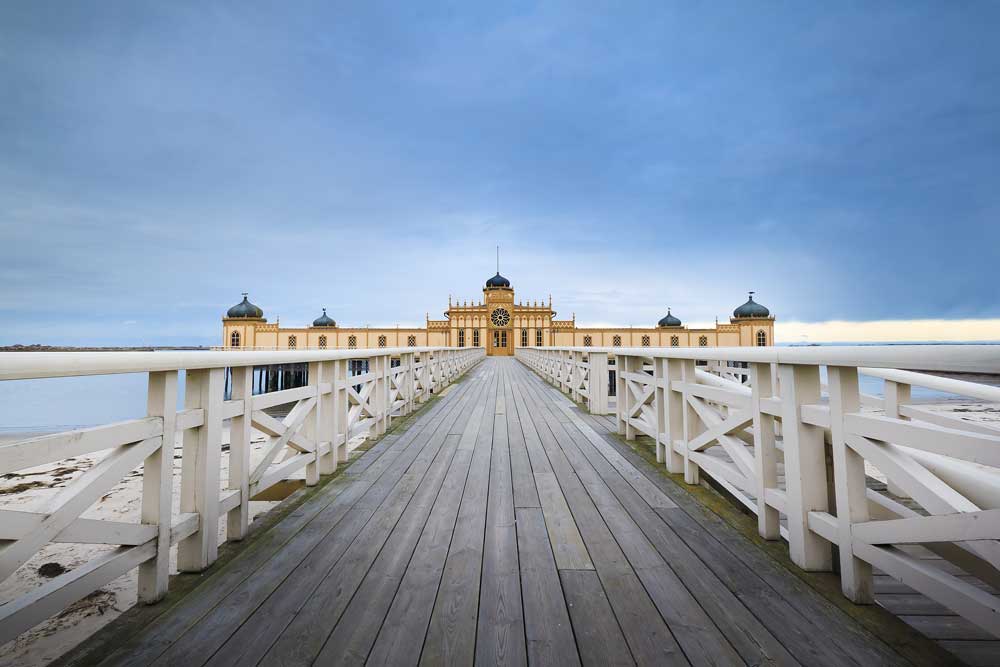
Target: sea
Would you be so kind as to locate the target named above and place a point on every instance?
(58, 404)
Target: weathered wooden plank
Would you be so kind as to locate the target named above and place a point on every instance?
(827, 624)
(451, 634)
(231, 606)
(567, 544)
(598, 635)
(695, 631)
(304, 638)
(525, 493)
(546, 621)
(648, 637)
(500, 630)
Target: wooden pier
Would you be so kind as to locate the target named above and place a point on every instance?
(505, 526)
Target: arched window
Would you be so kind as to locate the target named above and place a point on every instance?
(702, 341)
(292, 343)
(234, 339)
(381, 341)
(475, 338)
(645, 341)
(617, 341)
(675, 341)
(587, 341)
(461, 337)
(411, 341)
(538, 338)
(524, 338)
(352, 342)
(762, 338)
(322, 342)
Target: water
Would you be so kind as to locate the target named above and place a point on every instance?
(56, 404)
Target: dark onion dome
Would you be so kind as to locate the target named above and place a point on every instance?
(669, 321)
(498, 281)
(245, 309)
(751, 309)
(324, 320)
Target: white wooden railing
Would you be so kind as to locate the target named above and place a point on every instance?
(761, 423)
(323, 417)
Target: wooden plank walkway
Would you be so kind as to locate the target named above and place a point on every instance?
(502, 527)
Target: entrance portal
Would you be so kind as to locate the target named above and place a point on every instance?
(500, 344)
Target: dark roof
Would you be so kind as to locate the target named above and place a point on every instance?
(245, 309)
(669, 320)
(324, 320)
(498, 281)
(751, 309)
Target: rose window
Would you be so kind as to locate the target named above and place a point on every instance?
(500, 317)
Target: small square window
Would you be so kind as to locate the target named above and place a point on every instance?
(587, 341)
(617, 341)
(381, 341)
(645, 341)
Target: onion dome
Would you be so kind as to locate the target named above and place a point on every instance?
(669, 321)
(751, 309)
(324, 320)
(497, 281)
(246, 310)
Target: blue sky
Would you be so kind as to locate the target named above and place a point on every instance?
(159, 158)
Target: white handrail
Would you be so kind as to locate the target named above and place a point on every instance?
(323, 421)
(29, 365)
(955, 358)
(746, 437)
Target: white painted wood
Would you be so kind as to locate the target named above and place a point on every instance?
(805, 467)
(200, 469)
(240, 434)
(765, 455)
(158, 485)
(33, 452)
(849, 485)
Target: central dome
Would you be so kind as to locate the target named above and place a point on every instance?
(497, 281)
(245, 309)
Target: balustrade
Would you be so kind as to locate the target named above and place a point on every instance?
(809, 458)
(323, 420)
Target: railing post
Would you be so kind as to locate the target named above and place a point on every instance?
(673, 414)
(157, 485)
(240, 431)
(341, 410)
(765, 452)
(200, 469)
(660, 409)
(849, 485)
(598, 383)
(692, 423)
(620, 392)
(805, 467)
(381, 394)
(409, 381)
(897, 394)
(628, 367)
(311, 428)
(326, 420)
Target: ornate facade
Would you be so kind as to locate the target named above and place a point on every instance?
(497, 323)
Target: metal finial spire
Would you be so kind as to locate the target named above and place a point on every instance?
(751, 296)
(498, 260)
(245, 295)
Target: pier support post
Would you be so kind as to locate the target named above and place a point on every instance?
(849, 484)
(765, 452)
(200, 469)
(805, 467)
(157, 486)
(238, 518)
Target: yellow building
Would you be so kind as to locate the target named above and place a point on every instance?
(498, 323)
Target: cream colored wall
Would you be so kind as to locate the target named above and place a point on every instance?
(476, 317)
